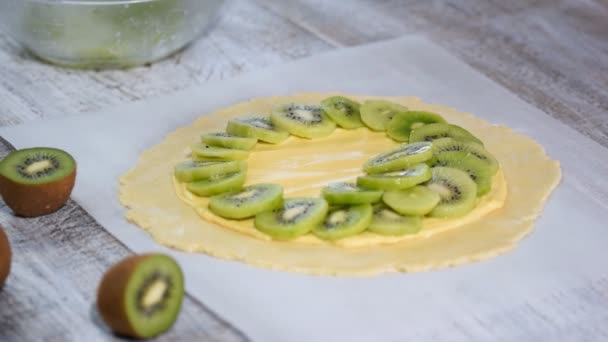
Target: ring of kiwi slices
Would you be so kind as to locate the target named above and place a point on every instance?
(439, 170)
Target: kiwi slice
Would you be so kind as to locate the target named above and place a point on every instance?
(344, 221)
(5, 257)
(303, 120)
(415, 201)
(343, 111)
(478, 170)
(258, 127)
(396, 180)
(348, 193)
(386, 221)
(376, 114)
(248, 202)
(141, 296)
(297, 217)
(190, 170)
(401, 125)
(450, 145)
(37, 181)
(399, 158)
(434, 131)
(218, 184)
(457, 190)
(204, 152)
(229, 141)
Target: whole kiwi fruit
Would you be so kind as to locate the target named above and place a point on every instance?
(5, 257)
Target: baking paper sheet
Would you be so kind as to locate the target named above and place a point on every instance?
(533, 293)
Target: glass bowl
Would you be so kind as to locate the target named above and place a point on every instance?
(106, 33)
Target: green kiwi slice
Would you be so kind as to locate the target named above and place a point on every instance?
(247, 202)
(348, 193)
(218, 184)
(457, 190)
(229, 141)
(189, 171)
(297, 217)
(399, 158)
(37, 181)
(434, 131)
(376, 114)
(344, 221)
(258, 127)
(303, 120)
(6, 255)
(141, 296)
(386, 221)
(450, 145)
(396, 180)
(343, 111)
(478, 170)
(415, 201)
(401, 125)
(204, 152)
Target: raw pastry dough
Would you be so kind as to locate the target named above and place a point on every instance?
(154, 204)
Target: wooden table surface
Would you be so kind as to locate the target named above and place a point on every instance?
(552, 53)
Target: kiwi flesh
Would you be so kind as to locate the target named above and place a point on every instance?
(5, 257)
(258, 127)
(229, 141)
(449, 145)
(399, 158)
(247, 202)
(204, 152)
(396, 180)
(415, 201)
(303, 120)
(218, 184)
(386, 221)
(189, 170)
(457, 190)
(349, 193)
(401, 125)
(141, 296)
(376, 114)
(478, 170)
(297, 217)
(343, 111)
(344, 221)
(434, 131)
(37, 181)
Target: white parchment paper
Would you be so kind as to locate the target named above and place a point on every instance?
(509, 298)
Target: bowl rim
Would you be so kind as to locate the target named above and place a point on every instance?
(91, 2)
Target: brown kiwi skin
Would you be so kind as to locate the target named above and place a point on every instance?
(5, 257)
(111, 295)
(32, 200)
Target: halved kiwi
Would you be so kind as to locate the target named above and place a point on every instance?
(259, 127)
(190, 170)
(479, 171)
(434, 131)
(37, 181)
(348, 193)
(218, 184)
(402, 124)
(457, 190)
(247, 202)
(344, 221)
(297, 217)
(399, 158)
(5, 257)
(396, 180)
(376, 114)
(415, 201)
(386, 221)
(343, 111)
(449, 145)
(204, 152)
(141, 296)
(303, 120)
(229, 141)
